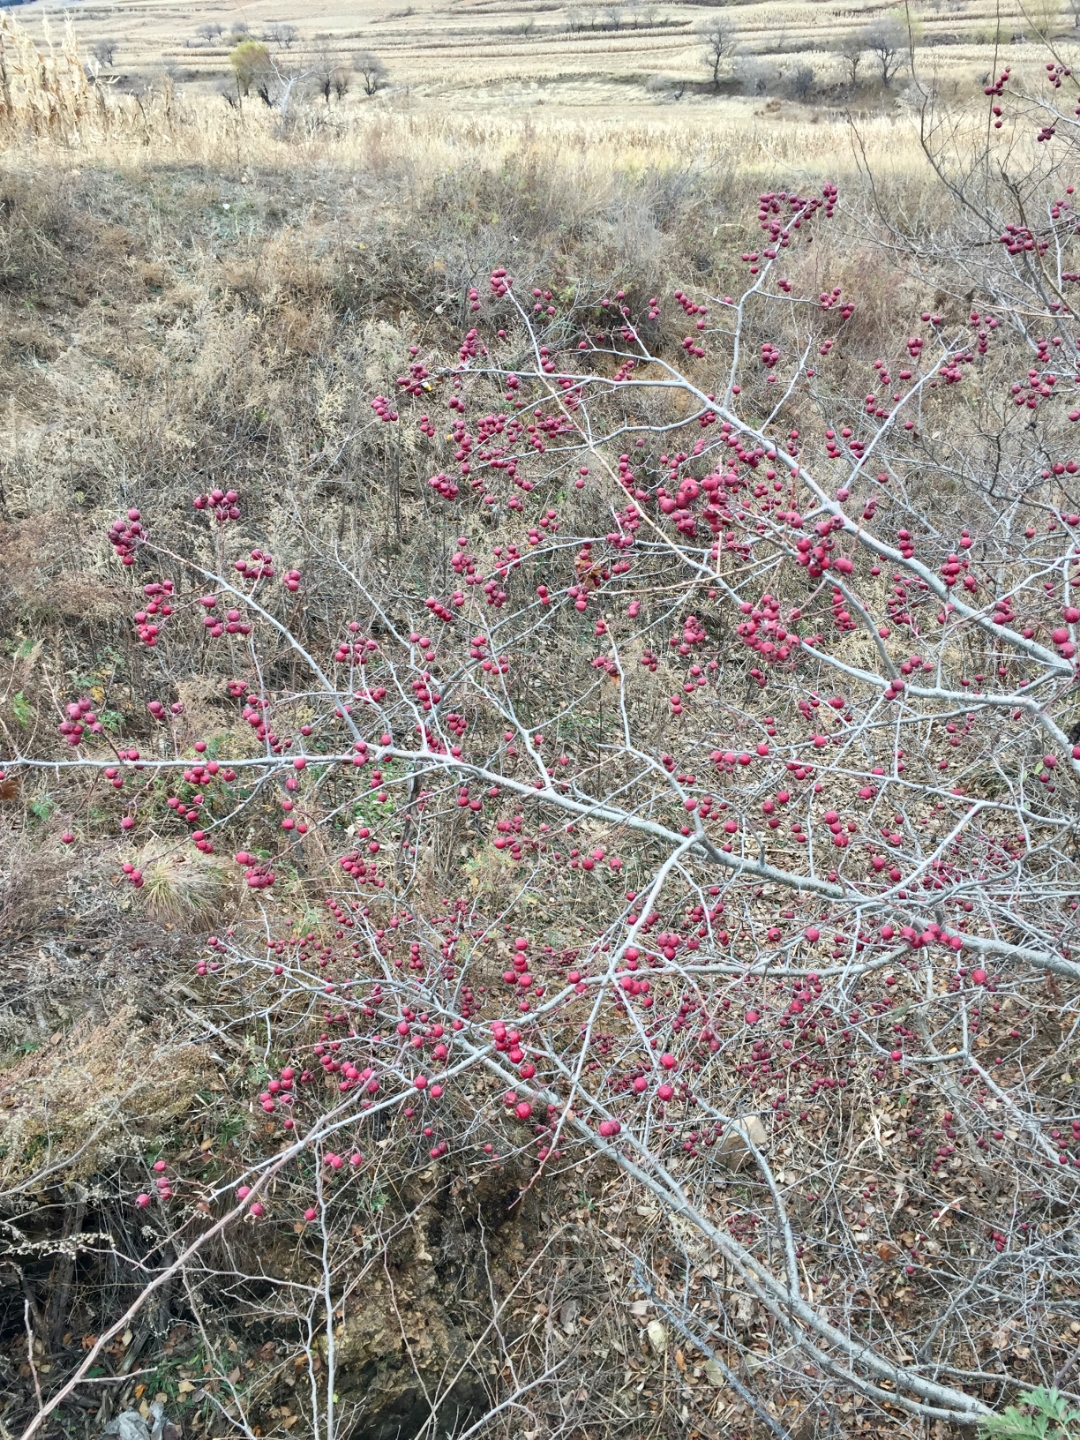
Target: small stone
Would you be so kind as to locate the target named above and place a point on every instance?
(733, 1148)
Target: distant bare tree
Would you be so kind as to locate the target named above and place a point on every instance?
(282, 34)
(851, 53)
(718, 35)
(105, 51)
(887, 40)
(210, 31)
(371, 70)
(322, 64)
(331, 72)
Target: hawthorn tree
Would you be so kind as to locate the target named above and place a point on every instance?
(716, 822)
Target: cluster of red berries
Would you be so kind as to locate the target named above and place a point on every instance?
(262, 569)
(157, 709)
(158, 594)
(257, 875)
(80, 717)
(501, 282)
(225, 504)
(163, 1183)
(125, 535)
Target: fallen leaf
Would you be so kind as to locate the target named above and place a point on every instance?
(713, 1374)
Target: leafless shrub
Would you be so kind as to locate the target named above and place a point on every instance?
(371, 70)
(852, 52)
(755, 75)
(886, 40)
(799, 81)
(104, 51)
(282, 34)
(719, 37)
(666, 87)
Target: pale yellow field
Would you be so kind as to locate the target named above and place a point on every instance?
(505, 54)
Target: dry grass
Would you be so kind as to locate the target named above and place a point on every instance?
(470, 58)
(600, 126)
(32, 877)
(479, 54)
(157, 128)
(180, 888)
(93, 1094)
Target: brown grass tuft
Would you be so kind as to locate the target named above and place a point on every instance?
(180, 888)
(91, 1095)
